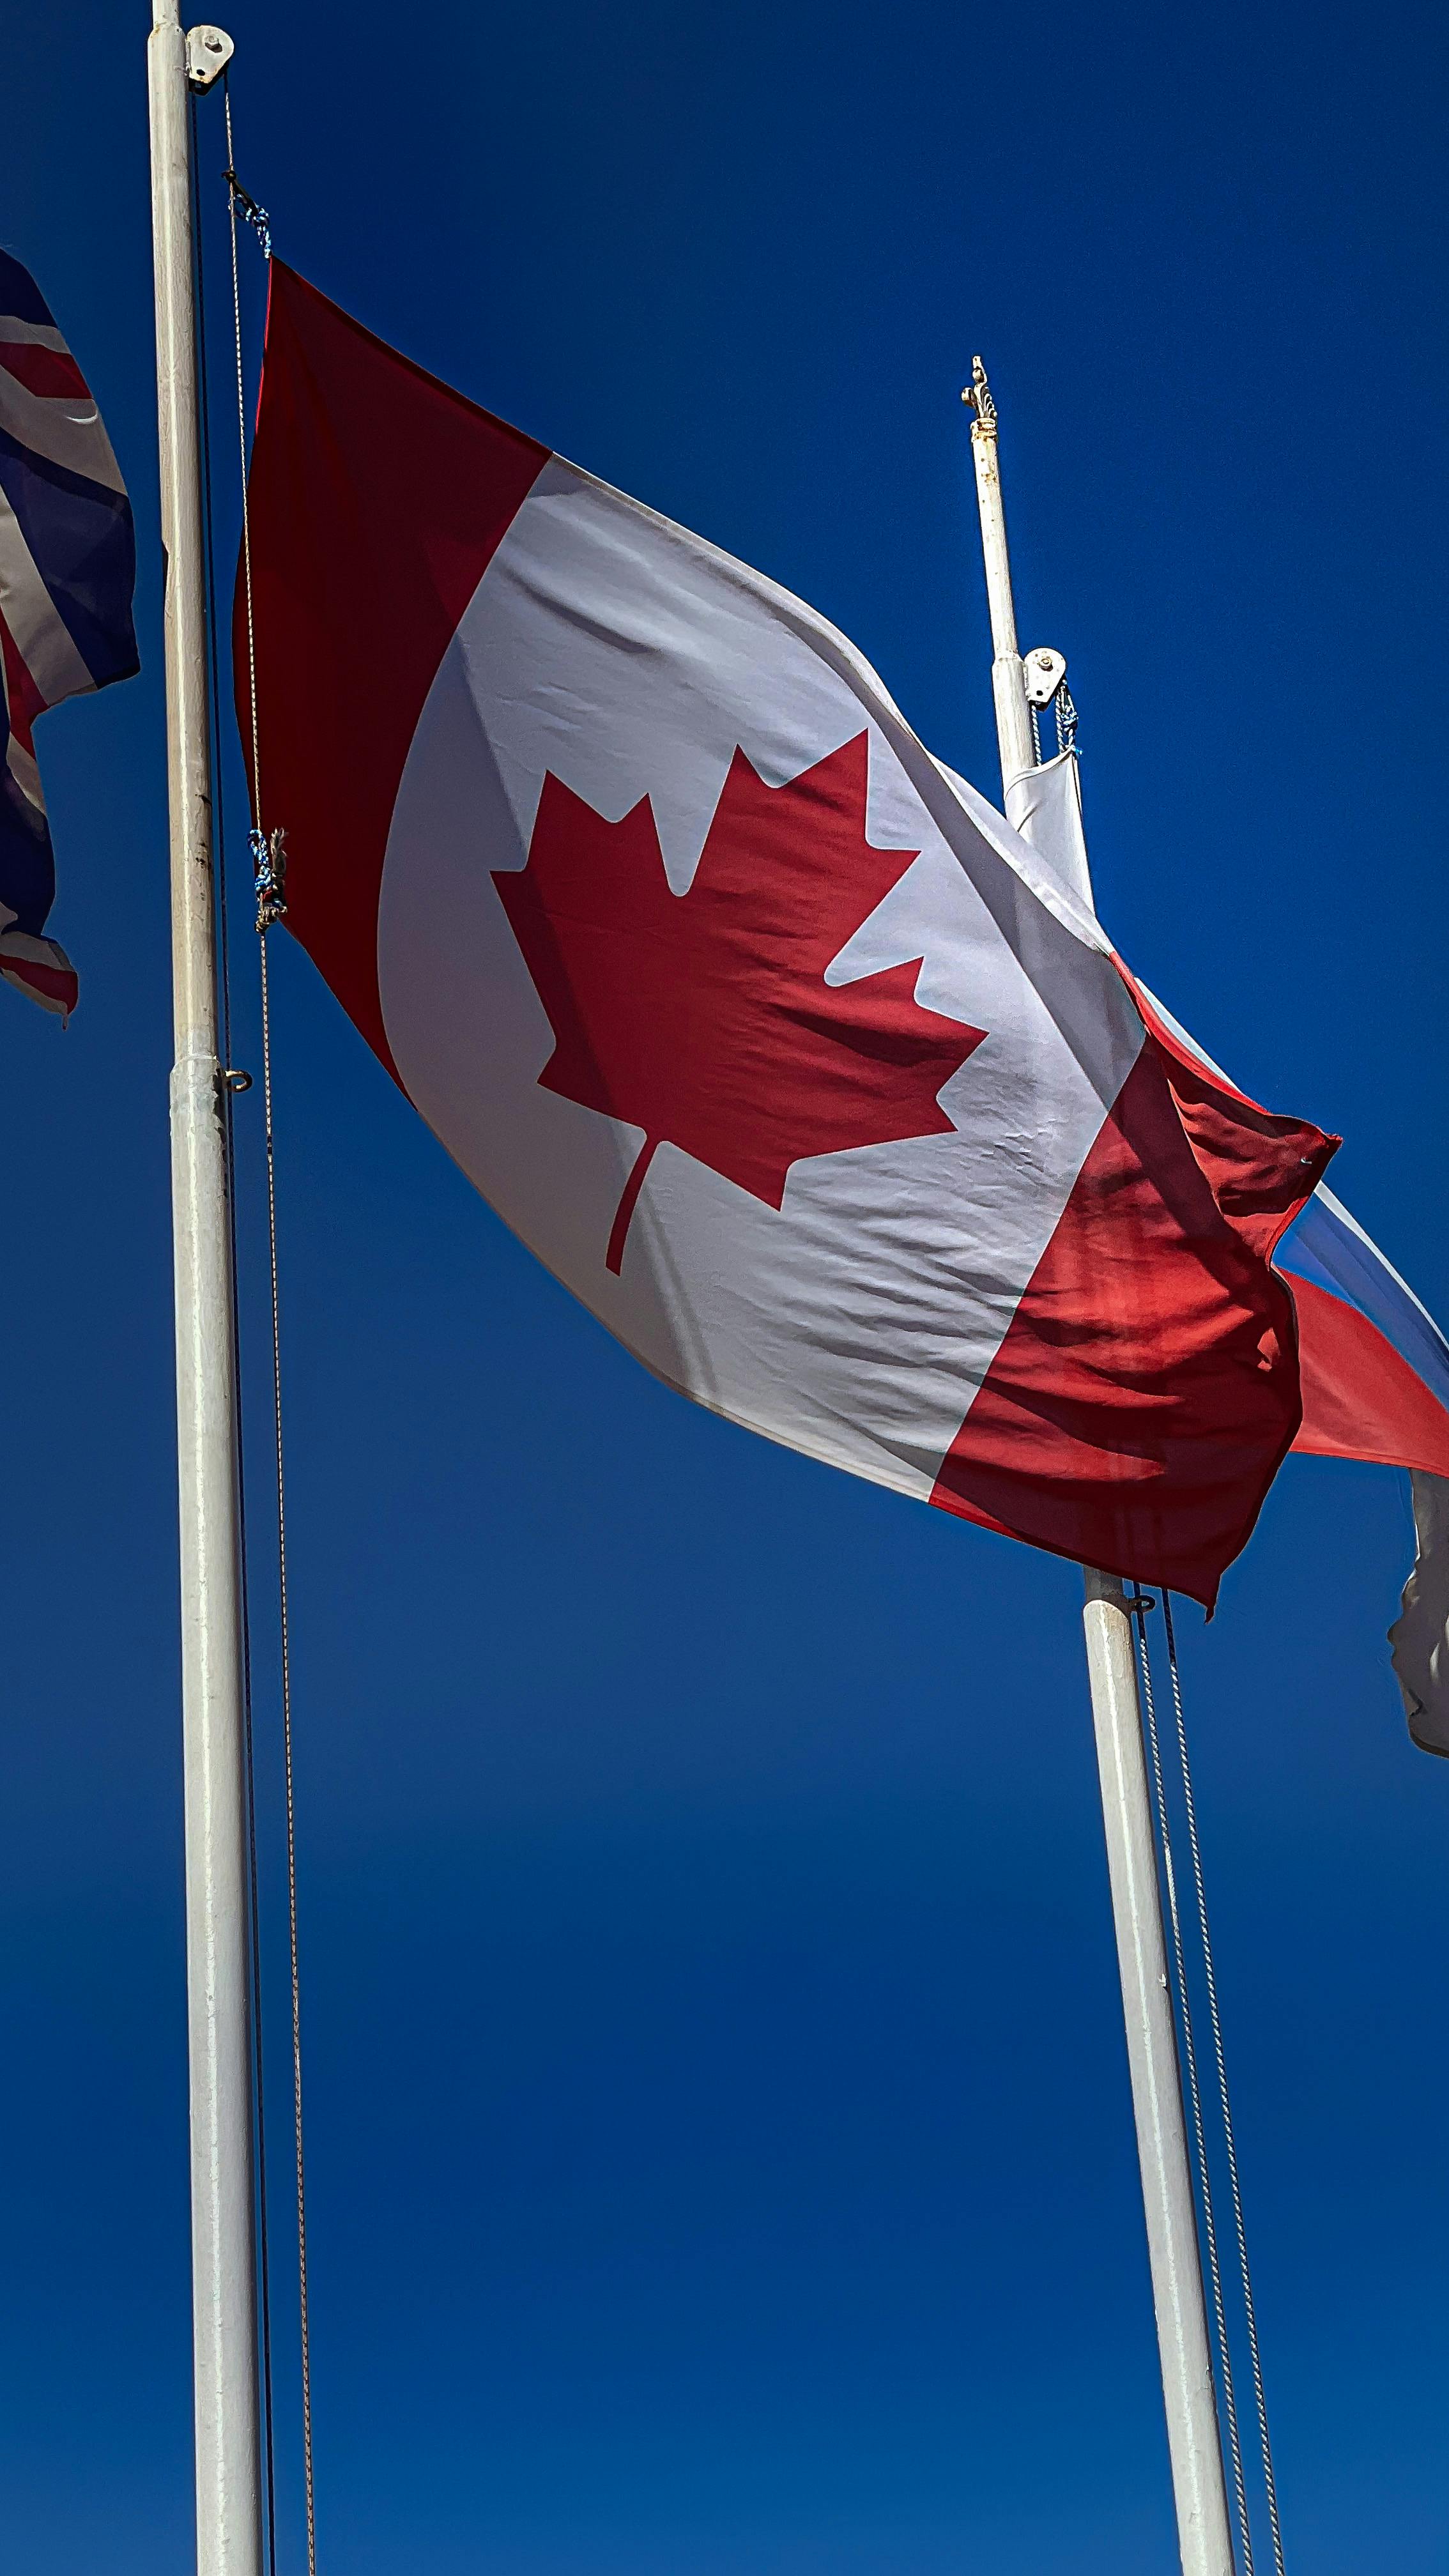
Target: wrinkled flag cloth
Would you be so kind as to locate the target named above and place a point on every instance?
(67, 572)
(765, 1032)
(1373, 1364)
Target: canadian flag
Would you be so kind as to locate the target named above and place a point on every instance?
(760, 1027)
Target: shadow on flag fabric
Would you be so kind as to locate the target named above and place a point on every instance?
(67, 573)
(765, 1032)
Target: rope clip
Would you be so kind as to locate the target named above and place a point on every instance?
(269, 864)
(243, 203)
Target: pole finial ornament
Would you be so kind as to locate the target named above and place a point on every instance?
(977, 396)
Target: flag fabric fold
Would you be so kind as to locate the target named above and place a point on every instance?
(1045, 807)
(67, 573)
(812, 1080)
(1373, 1364)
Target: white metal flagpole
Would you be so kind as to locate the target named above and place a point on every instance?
(1198, 2481)
(228, 2454)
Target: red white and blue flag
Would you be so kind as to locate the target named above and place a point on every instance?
(807, 1075)
(67, 572)
(1374, 1368)
(1373, 1362)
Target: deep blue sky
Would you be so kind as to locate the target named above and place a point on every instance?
(720, 2147)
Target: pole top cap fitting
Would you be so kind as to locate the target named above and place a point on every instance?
(208, 51)
(977, 397)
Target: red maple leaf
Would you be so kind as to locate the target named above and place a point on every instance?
(704, 1018)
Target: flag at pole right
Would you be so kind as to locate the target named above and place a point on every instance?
(1374, 1369)
(1373, 1365)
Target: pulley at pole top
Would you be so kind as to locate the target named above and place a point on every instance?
(208, 51)
(1043, 670)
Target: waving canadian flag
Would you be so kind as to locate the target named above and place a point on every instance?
(762, 1029)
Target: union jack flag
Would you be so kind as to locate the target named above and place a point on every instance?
(67, 571)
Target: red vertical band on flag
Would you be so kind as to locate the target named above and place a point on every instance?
(378, 497)
(1147, 1391)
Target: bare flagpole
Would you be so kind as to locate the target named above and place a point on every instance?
(224, 2306)
(1198, 2481)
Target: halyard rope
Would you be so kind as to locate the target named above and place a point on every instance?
(1211, 1983)
(264, 2264)
(1064, 709)
(266, 852)
(1139, 1603)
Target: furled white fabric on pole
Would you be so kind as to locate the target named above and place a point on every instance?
(1045, 807)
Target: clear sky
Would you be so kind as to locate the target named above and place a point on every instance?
(720, 2147)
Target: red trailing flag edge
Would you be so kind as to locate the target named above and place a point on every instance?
(763, 1030)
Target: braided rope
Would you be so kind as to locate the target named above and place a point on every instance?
(230, 1084)
(267, 853)
(1220, 2061)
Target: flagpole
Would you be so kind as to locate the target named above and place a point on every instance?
(1179, 2297)
(224, 2359)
